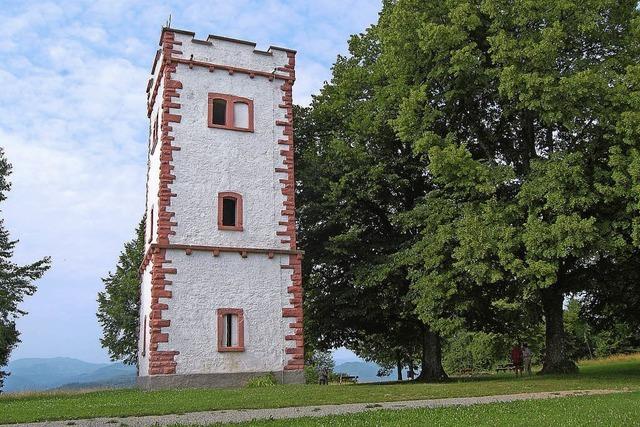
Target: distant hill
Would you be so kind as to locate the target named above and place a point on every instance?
(67, 373)
(64, 372)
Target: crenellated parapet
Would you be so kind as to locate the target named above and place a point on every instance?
(222, 54)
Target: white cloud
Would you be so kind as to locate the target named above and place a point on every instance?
(73, 123)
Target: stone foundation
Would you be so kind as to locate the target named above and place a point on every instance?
(238, 379)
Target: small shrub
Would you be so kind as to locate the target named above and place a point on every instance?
(262, 381)
(320, 361)
(310, 375)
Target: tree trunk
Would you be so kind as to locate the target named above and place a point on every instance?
(556, 360)
(411, 374)
(432, 369)
(399, 369)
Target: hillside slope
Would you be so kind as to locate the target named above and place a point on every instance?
(64, 372)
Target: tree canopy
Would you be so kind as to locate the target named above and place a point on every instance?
(476, 160)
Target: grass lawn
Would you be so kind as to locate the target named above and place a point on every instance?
(608, 410)
(615, 373)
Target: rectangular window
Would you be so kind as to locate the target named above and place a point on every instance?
(219, 112)
(230, 211)
(230, 112)
(230, 329)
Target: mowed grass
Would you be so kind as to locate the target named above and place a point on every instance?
(609, 410)
(615, 373)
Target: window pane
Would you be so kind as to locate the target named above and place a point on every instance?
(219, 111)
(229, 211)
(144, 337)
(151, 220)
(241, 115)
(230, 332)
(228, 336)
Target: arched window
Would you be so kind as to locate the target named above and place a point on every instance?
(230, 211)
(230, 112)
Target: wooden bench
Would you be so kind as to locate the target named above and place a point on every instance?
(509, 367)
(348, 378)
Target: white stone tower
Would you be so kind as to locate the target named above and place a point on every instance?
(221, 296)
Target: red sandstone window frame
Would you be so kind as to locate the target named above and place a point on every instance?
(239, 211)
(231, 100)
(221, 313)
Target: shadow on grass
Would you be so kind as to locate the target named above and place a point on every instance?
(591, 369)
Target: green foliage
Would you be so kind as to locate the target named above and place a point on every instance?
(468, 166)
(477, 351)
(620, 338)
(588, 338)
(355, 176)
(319, 362)
(311, 375)
(527, 112)
(615, 309)
(119, 303)
(483, 351)
(16, 281)
(580, 339)
(268, 380)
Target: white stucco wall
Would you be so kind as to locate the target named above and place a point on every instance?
(153, 184)
(217, 160)
(214, 160)
(205, 283)
(153, 178)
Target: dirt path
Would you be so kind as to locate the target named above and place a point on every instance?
(238, 415)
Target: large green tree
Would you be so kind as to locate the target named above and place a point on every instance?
(16, 281)
(119, 303)
(528, 113)
(354, 177)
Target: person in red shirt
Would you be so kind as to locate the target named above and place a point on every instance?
(516, 358)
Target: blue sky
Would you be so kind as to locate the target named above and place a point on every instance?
(73, 123)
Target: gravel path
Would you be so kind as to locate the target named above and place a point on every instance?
(239, 415)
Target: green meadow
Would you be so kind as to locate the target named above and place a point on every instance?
(609, 410)
(619, 373)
